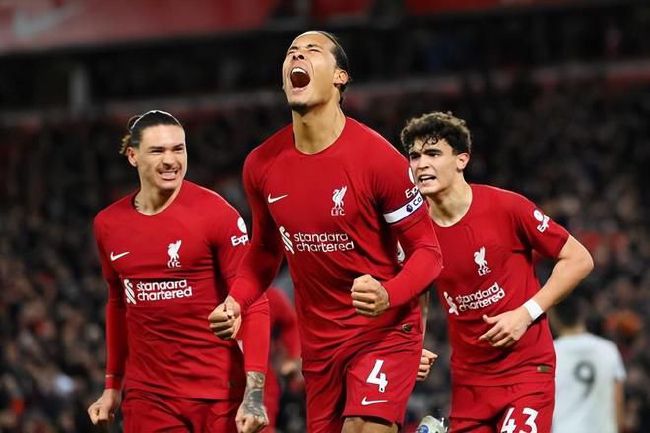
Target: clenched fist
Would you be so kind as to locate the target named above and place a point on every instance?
(225, 320)
(369, 297)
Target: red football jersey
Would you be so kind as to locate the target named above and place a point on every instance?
(489, 269)
(337, 215)
(166, 273)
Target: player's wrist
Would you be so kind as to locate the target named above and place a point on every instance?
(533, 308)
(395, 296)
(113, 381)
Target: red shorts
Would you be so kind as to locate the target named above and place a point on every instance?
(146, 412)
(374, 379)
(523, 407)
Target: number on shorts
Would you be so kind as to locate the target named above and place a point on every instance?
(376, 377)
(509, 425)
(585, 373)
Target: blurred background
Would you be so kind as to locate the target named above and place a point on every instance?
(556, 93)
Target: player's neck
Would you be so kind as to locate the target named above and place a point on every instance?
(151, 201)
(573, 330)
(317, 129)
(450, 205)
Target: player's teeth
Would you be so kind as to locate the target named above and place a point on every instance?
(297, 69)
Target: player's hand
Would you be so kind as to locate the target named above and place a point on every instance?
(103, 410)
(290, 366)
(507, 327)
(251, 416)
(369, 297)
(225, 320)
(426, 361)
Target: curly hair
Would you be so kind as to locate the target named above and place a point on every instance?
(436, 126)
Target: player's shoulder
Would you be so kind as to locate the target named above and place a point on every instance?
(366, 144)
(277, 143)
(594, 342)
(204, 199)
(194, 191)
(366, 138)
(496, 196)
(496, 192)
(602, 344)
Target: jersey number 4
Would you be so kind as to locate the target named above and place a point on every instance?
(376, 377)
(509, 425)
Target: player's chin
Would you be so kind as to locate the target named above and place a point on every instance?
(169, 184)
(428, 189)
(298, 105)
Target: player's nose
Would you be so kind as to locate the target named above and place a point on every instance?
(422, 163)
(169, 158)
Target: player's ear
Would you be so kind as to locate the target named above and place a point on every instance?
(341, 77)
(462, 159)
(132, 156)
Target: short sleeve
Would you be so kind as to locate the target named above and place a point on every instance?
(537, 229)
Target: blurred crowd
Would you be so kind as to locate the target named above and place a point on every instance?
(579, 149)
(387, 44)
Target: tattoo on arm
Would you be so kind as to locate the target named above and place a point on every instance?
(253, 402)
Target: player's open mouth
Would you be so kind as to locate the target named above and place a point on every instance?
(299, 78)
(169, 175)
(426, 177)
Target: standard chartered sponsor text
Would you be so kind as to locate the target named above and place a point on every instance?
(480, 298)
(161, 290)
(322, 242)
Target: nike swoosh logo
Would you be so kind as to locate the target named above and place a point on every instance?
(274, 199)
(117, 256)
(366, 402)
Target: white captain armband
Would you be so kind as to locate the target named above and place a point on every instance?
(406, 210)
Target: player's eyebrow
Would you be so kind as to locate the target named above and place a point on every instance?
(311, 45)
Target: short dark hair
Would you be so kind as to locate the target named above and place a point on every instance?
(569, 312)
(341, 58)
(436, 126)
(140, 122)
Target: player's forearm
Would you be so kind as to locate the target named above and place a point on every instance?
(423, 261)
(116, 344)
(420, 269)
(619, 400)
(573, 265)
(253, 401)
(424, 311)
(258, 269)
(256, 336)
